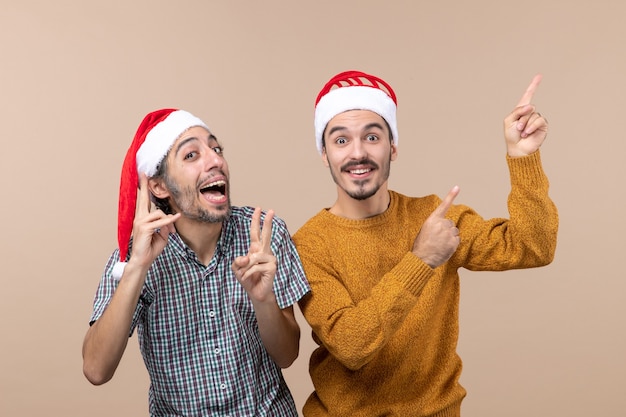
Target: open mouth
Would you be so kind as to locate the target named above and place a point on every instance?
(215, 190)
(360, 168)
(359, 171)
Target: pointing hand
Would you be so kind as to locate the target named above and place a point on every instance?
(525, 129)
(151, 229)
(439, 237)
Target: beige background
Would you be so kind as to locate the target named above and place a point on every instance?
(77, 77)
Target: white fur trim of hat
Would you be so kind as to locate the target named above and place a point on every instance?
(354, 90)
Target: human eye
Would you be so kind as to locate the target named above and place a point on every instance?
(190, 155)
(371, 137)
(218, 150)
(341, 140)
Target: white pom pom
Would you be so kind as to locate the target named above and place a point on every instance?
(118, 270)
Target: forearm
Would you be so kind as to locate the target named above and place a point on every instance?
(106, 339)
(355, 333)
(279, 332)
(527, 239)
(533, 215)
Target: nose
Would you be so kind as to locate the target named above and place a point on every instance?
(358, 150)
(212, 159)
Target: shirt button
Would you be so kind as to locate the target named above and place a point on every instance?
(217, 351)
(211, 313)
(223, 386)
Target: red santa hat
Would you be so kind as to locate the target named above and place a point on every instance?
(354, 90)
(154, 138)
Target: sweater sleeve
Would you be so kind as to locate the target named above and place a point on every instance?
(355, 331)
(526, 240)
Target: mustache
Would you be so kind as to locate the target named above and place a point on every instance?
(365, 161)
(214, 173)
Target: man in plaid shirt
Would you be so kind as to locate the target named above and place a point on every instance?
(210, 287)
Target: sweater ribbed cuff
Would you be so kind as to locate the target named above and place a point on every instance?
(412, 273)
(453, 410)
(526, 169)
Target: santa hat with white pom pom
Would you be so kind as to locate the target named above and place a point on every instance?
(154, 138)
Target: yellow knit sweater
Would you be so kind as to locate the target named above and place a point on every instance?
(385, 322)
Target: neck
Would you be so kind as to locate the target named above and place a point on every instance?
(200, 237)
(351, 208)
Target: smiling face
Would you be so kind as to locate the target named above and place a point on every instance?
(358, 151)
(196, 178)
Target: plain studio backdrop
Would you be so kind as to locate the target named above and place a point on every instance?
(77, 77)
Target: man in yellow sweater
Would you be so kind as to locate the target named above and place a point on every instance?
(382, 266)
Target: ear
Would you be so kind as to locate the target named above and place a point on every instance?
(325, 157)
(158, 188)
(394, 151)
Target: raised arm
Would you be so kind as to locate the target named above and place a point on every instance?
(528, 237)
(106, 339)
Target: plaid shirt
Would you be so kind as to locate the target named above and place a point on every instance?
(198, 332)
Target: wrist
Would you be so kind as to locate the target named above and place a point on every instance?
(264, 301)
(134, 271)
(514, 152)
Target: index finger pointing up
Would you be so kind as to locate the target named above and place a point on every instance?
(442, 209)
(530, 91)
(255, 226)
(266, 233)
(143, 199)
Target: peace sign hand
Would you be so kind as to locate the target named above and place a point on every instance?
(256, 270)
(150, 229)
(525, 129)
(439, 237)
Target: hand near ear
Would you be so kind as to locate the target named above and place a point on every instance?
(151, 229)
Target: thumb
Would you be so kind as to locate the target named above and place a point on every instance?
(442, 209)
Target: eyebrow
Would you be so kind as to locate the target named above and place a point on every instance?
(191, 139)
(367, 127)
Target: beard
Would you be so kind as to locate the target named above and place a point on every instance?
(362, 192)
(186, 201)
